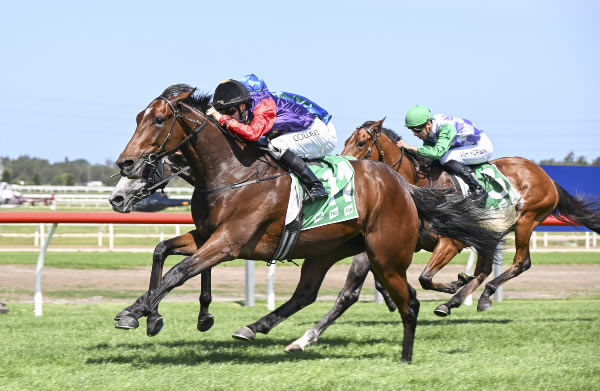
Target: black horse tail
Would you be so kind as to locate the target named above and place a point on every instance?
(461, 218)
(577, 210)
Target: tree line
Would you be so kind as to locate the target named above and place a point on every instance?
(35, 171)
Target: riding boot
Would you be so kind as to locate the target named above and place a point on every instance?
(467, 174)
(309, 180)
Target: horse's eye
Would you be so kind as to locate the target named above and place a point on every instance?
(159, 120)
(361, 144)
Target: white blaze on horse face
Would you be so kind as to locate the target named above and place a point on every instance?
(148, 111)
(122, 197)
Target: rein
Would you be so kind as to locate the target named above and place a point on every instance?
(415, 163)
(149, 164)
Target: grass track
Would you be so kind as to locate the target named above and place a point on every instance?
(516, 345)
(123, 260)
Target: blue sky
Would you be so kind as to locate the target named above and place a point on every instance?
(74, 75)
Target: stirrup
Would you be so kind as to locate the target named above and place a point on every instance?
(317, 192)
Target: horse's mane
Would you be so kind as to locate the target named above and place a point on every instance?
(395, 137)
(199, 100)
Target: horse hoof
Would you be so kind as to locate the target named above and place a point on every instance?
(244, 334)
(483, 305)
(121, 314)
(293, 347)
(127, 323)
(153, 325)
(205, 322)
(442, 310)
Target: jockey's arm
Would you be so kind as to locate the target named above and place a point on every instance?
(446, 133)
(263, 120)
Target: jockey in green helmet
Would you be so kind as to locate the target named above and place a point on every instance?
(456, 142)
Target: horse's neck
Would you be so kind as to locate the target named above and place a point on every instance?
(218, 161)
(397, 158)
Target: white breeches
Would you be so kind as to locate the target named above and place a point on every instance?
(318, 140)
(471, 154)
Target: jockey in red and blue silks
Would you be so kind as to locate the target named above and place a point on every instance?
(291, 125)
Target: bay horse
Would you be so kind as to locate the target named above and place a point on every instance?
(240, 206)
(128, 191)
(540, 198)
(186, 244)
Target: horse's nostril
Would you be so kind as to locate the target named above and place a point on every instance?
(125, 165)
(117, 200)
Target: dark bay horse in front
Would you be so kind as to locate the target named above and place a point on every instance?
(240, 204)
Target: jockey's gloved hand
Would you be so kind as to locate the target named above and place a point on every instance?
(213, 113)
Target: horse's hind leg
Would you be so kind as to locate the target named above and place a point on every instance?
(348, 296)
(521, 261)
(185, 244)
(483, 269)
(205, 319)
(444, 251)
(311, 276)
(390, 259)
(405, 298)
(384, 293)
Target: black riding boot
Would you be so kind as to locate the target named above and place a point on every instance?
(315, 188)
(467, 174)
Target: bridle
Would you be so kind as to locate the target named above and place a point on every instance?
(375, 143)
(396, 166)
(149, 165)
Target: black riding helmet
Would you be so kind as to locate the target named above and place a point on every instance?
(230, 93)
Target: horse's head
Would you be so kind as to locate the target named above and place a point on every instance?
(161, 130)
(363, 143)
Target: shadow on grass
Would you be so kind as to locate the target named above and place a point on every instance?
(184, 352)
(398, 322)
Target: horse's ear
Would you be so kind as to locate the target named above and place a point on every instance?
(183, 96)
(379, 123)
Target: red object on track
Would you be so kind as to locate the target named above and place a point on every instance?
(126, 218)
(96, 217)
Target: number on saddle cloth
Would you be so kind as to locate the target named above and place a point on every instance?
(337, 175)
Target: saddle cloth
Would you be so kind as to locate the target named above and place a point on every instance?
(337, 176)
(501, 195)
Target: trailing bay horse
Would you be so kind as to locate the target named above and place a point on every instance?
(540, 198)
(240, 204)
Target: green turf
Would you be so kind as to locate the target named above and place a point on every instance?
(120, 260)
(516, 345)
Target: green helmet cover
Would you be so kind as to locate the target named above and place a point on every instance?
(417, 116)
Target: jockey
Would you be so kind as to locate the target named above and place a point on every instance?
(455, 141)
(292, 126)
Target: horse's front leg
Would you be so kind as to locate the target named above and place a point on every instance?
(348, 296)
(185, 244)
(218, 248)
(311, 276)
(445, 250)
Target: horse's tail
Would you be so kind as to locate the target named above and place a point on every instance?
(461, 218)
(577, 210)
